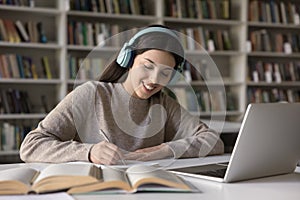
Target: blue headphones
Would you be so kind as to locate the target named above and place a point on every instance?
(126, 54)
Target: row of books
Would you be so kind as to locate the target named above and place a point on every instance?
(274, 11)
(274, 72)
(29, 3)
(205, 101)
(18, 66)
(103, 34)
(134, 7)
(199, 38)
(260, 95)
(11, 135)
(196, 71)
(15, 101)
(85, 68)
(18, 31)
(198, 9)
(97, 34)
(263, 40)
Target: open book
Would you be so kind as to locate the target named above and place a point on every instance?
(55, 177)
(81, 178)
(135, 178)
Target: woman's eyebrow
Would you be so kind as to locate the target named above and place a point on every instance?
(150, 61)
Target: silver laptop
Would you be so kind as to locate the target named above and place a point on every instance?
(268, 144)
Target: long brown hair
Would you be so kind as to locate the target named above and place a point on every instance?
(158, 40)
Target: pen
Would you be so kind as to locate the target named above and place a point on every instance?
(104, 135)
(101, 132)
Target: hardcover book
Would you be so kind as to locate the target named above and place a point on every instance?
(86, 177)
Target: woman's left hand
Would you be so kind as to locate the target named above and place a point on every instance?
(151, 153)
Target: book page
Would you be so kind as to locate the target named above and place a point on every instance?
(22, 174)
(142, 174)
(114, 174)
(66, 175)
(113, 178)
(16, 180)
(68, 169)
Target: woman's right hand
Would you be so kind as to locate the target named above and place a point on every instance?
(105, 153)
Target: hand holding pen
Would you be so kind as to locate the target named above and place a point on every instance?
(107, 140)
(106, 152)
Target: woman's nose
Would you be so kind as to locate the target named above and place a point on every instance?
(154, 78)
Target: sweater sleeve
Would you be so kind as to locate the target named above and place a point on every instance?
(188, 136)
(56, 138)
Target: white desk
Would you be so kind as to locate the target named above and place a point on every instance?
(276, 188)
(283, 187)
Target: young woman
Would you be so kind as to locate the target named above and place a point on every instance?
(125, 115)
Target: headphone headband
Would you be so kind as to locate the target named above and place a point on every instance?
(151, 30)
(126, 55)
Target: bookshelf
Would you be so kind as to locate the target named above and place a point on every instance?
(227, 27)
(273, 67)
(31, 94)
(55, 54)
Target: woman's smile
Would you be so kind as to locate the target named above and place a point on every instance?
(148, 87)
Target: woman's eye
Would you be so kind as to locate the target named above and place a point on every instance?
(166, 74)
(148, 66)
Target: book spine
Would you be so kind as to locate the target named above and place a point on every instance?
(8, 137)
(22, 31)
(5, 103)
(46, 67)
(3, 31)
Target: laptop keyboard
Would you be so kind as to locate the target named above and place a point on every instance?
(220, 173)
(213, 170)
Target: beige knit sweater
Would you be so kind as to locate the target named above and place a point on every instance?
(68, 132)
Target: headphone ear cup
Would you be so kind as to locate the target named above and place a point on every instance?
(125, 56)
(176, 75)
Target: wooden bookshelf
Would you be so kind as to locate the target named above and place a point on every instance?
(236, 18)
